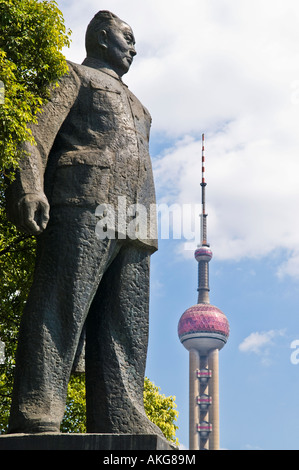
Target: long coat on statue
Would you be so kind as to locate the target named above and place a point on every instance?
(92, 149)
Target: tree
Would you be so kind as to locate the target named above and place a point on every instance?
(74, 419)
(32, 35)
(161, 410)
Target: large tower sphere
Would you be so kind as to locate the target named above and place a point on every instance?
(203, 327)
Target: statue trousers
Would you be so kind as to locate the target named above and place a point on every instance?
(102, 286)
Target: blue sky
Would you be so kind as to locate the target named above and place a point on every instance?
(230, 70)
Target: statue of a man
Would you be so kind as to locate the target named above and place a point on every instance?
(92, 149)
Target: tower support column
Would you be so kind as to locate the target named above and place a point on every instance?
(194, 364)
(214, 392)
(204, 390)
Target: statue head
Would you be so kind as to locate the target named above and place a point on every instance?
(112, 40)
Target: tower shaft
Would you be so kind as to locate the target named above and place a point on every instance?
(204, 231)
(203, 282)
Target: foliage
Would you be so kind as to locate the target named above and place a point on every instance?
(74, 419)
(32, 35)
(17, 253)
(161, 410)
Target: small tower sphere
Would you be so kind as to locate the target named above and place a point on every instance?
(203, 327)
(203, 253)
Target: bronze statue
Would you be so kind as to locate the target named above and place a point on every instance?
(92, 149)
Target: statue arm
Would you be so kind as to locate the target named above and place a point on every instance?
(27, 205)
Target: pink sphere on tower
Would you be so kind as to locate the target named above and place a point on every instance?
(203, 327)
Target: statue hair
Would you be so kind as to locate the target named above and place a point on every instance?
(100, 21)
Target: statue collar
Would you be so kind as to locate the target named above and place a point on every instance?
(98, 64)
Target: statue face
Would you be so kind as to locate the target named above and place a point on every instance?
(120, 47)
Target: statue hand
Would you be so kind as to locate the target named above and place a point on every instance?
(33, 213)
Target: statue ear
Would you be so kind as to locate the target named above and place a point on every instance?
(103, 39)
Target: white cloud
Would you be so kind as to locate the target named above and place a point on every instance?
(252, 212)
(183, 447)
(291, 266)
(260, 343)
(255, 341)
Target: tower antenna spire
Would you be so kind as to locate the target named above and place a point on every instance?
(203, 253)
(203, 185)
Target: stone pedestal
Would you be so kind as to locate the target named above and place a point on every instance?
(48, 441)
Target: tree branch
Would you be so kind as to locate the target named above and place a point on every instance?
(15, 243)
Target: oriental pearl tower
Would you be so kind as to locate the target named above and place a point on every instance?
(203, 329)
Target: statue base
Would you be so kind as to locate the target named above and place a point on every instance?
(61, 441)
